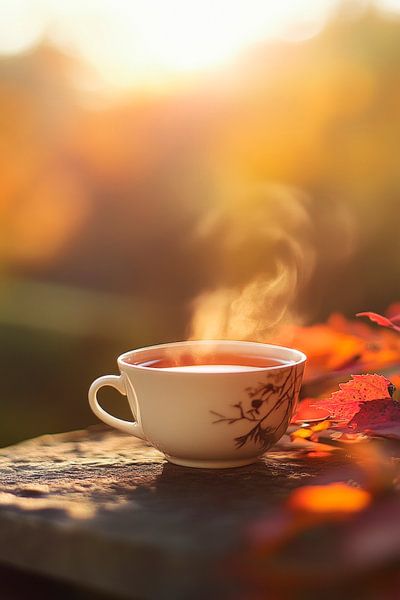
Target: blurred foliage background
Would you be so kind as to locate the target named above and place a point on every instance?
(108, 184)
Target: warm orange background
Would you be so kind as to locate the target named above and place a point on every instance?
(117, 211)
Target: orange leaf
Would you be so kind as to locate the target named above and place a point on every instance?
(308, 412)
(322, 426)
(302, 433)
(381, 320)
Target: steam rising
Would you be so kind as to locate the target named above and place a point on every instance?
(266, 256)
(247, 313)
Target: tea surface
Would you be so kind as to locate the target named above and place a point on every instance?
(212, 363)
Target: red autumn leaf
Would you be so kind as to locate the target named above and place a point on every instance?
(346, 403)
(381, 417)
(362, 388)
(381, 320)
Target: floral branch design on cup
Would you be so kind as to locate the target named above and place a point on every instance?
(264, 400)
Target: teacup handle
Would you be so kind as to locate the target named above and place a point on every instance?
(118, 383)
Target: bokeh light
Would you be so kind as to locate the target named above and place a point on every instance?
(137, 42)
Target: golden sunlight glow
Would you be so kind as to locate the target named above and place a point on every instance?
(132, 42)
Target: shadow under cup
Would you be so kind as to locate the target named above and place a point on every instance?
(210, 404)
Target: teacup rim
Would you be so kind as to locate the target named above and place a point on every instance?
(302, 357)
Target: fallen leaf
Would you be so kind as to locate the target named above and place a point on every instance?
(382, 320)
(302, 433)
(362, 388)
(307, 412)
(345, 403)
(377, 416)
(322, 426)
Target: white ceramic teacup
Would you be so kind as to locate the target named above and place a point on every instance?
(207, 416)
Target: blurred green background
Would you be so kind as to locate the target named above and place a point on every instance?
(132, 183)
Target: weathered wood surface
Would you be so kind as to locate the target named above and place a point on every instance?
(104, 510)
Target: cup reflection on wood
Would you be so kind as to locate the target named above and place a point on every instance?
(208, 404)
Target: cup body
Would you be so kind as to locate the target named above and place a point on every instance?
(212, 419)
